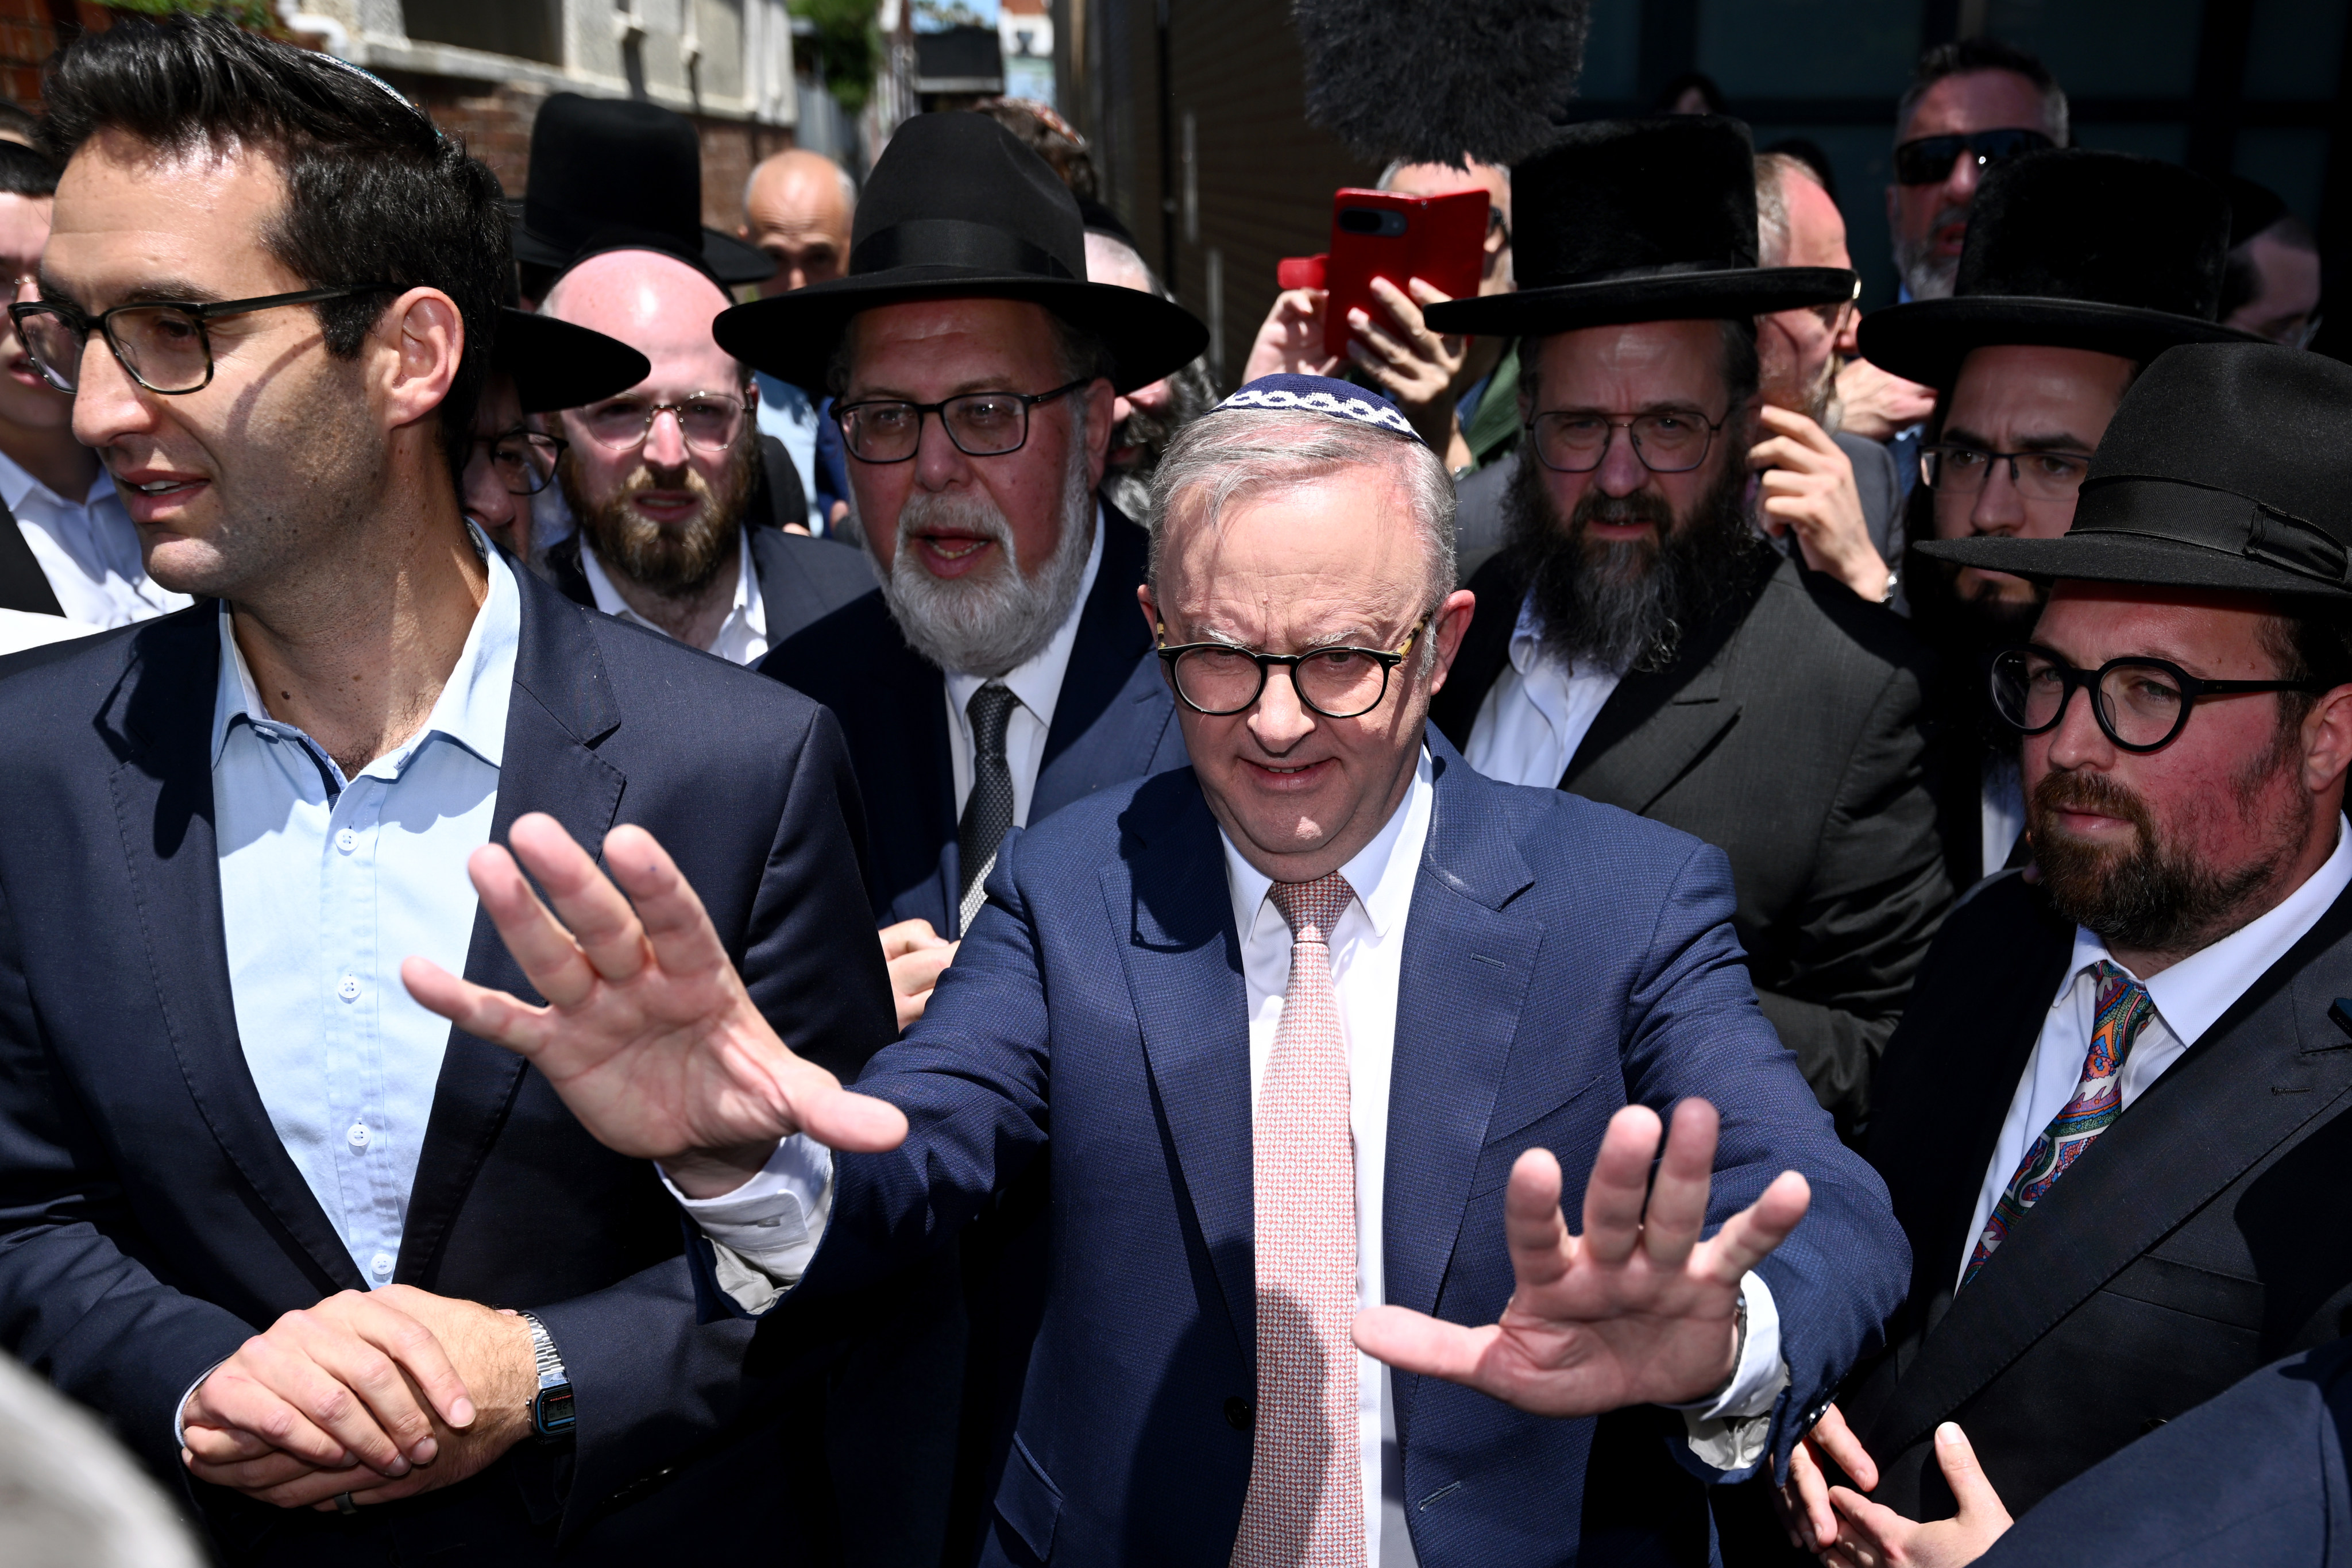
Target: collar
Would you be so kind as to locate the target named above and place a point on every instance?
(1038, 683)
(471, 709)
(747, 606)
(2193, 992)
(1382, 872)
(16, 483)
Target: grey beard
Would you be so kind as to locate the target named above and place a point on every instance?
(1190, 394)
(1627, 605)
(999, 620)
(1926, 274)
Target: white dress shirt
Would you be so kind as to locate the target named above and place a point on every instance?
(1537, 712)
(1038, 685)
(89, 550)
(2188, 996)
(776, 1220)
(742, 637)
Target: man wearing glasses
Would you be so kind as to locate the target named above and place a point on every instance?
(1640, 643)
(2080, 267)
(311, 1253)
(537, 365)
(2114, 1119)
(660, 478)
(1304, 1039)
(1971, 105)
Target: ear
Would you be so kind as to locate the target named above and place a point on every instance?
(419, 340)
(1449, 627)
(2327, 741)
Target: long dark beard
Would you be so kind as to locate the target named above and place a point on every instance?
(2155, 895)
(676, 560)
(1627, 605)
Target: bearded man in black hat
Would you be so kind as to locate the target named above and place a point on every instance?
(2079, 268)
(1640, 644)
(537, 365)
(2115, 1117)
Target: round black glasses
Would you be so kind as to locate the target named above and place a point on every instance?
(2141, 704)
(1220, 680)
(163, 344)
(981, 424)
(524, 460)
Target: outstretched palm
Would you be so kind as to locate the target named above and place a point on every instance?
(1636, 1311)
(648, 1034)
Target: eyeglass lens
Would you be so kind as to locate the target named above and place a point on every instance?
(2038, 476)
(163, 345)
(708, 422)
(981, 424)
(1928, 161)
(1337, 682)
(2138, 704)
(525, 461)
(1667, 443)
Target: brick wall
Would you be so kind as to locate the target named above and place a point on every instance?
(31, 30)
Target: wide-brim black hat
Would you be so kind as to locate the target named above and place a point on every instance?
(2071, 249)
(556, 364)
(2227, 466)
(957, 207)
(606, 175)
(1639, 220)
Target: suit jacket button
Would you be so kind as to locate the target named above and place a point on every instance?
(1240, 1415)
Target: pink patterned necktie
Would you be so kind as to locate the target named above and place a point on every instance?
(2124, 1010)
(1306, 1502)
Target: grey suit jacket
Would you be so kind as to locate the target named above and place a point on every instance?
(1787, 731)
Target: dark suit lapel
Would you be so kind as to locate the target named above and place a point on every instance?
(163, 790)
(23, 585)
(1111, 637)
(1658, 723)
(2265, 1070)
(561, 705)
(1183, 970)
(1467, 965)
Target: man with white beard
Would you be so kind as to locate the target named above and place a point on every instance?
(1001, 671)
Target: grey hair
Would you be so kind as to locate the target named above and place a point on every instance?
(1772, 205)
(1220, 457)
(1966, 56)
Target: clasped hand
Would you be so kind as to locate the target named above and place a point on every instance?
(1636, 1311)
(1846, 1530)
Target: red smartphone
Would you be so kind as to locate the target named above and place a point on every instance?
(1442, 240)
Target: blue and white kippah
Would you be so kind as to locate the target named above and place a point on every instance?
(1321, 395)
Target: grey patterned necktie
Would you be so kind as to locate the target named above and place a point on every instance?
(989, 811)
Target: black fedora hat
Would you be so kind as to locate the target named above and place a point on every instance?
(2227, 466)
(606, 175)
(1639, 220)
(2071, 249)
(957, 206)
(558, 366)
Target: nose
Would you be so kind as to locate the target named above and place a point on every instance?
(1150, 399)
(1961, 187)
(666, 441)
(2078, 741)
(1280, 720)
(2000, 510)
(938, 461)
(106, 404)
(1621, 470)
(488, 500)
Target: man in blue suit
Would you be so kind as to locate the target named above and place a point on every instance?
(999, 672)
(258, 1209)
(1296, 1028)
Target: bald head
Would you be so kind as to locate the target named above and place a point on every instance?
(797, 208)
(657, 305)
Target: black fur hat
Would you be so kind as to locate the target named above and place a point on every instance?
(2072, 248)
(1434, 81)
(2227, 466)
(1639, 220)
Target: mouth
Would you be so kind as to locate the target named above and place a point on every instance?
(154, 498)
(1949, 238)
(1285, 778)
(1618, 532)
(666, 506)
(950, 554)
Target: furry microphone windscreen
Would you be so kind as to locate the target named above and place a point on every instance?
(1431, 81)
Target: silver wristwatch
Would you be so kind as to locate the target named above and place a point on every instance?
(552, 1414)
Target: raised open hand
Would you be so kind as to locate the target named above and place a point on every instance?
(649, 1035)
(1637, 1311)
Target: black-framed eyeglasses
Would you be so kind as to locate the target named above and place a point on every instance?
(1220, 680)
(707, 421)
(1951, 468)
(524, 460)
(1928, 160)
(981, 424)
(2141, 704)
(1667, 441)
(164, 344)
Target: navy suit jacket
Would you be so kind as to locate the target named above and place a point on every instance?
(2256, 1475)
(149, 1219)
(1561, 959)
(1114, 721)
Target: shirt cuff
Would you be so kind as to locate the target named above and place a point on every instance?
(179, 1411)
(1728, 1431)
(774, 1221)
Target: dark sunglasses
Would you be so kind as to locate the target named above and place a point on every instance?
(1928, 161)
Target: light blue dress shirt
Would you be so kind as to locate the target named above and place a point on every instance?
(327, 883)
